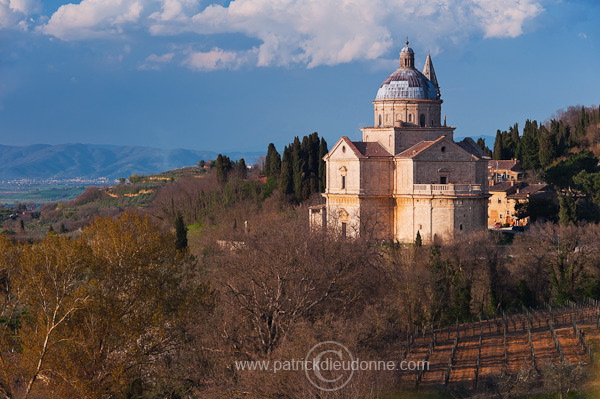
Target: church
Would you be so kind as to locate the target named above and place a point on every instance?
(407, 175)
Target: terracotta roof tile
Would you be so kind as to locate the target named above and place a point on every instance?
(531, 190)
(505, 164)
(415, 149)
(350, 144)
(371, 149)
(418, 148)
(505, 186)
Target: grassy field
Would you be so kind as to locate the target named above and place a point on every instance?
(38, 195)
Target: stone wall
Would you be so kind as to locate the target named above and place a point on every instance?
(438, 217)
(398, 113)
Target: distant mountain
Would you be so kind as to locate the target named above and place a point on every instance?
(68, 161)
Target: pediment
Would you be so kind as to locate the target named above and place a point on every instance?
(442, 149)
(343, 149)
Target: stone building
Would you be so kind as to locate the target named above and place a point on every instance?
(505, 170)
(407, 174)
(505, 196)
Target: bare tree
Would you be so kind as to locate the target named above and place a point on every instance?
(564, 256)
(281, 276)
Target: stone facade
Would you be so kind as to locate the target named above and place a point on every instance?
(505, 197)
(407, 175)
(505, 170)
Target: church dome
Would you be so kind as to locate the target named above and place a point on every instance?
(407, 49)
(407, 82)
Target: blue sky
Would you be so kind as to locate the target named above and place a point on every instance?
(236, 75)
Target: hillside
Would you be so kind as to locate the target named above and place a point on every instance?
(67, 161)
(483, 355)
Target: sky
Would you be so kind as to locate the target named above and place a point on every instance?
(237, 75)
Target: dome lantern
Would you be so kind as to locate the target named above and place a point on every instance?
(407, 57)
(409, 83)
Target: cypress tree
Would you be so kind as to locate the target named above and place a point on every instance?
(181, 241)
(484, 148)
(312, 158)
(510, 141)
(418, 239)
(582, 123)
(302, 169)
(272, 162)
(567, 212)
(298, 165)
(275, 164)
(267, 166)
(220, 169)
(565, 137)
(286, 182)
(557, 135)
(528, 147)
(306, 176)
(242, 169)
(547, 147)
(223, 165)
(322, 166)
(498, 146)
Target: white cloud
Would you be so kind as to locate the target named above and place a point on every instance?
(160, 58)
(25, 6)
(330, 32)
(173, 17)
(506, 18)
(314, 33)
(155, 62)
(14, 13)
(93, 18)
(305, 32)
(215, 59)
(174, 10)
